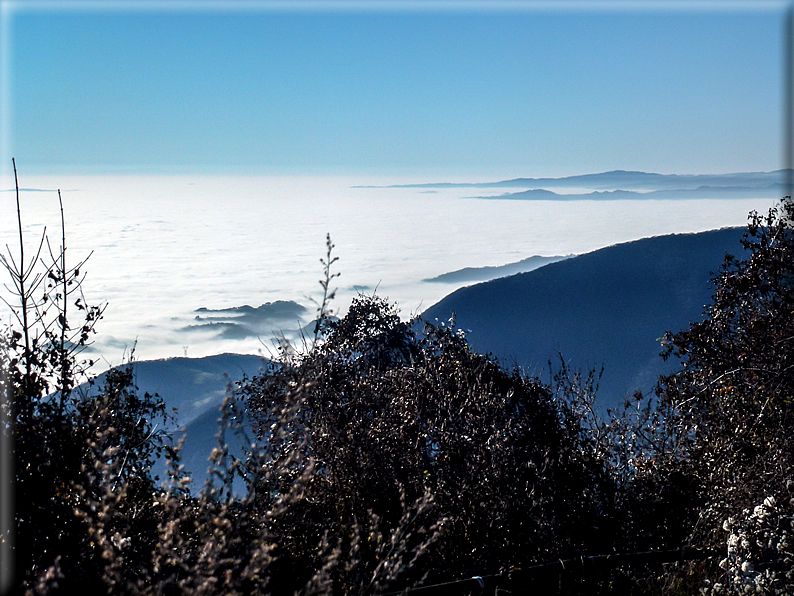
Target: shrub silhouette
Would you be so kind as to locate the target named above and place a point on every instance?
(732, 399)
(387, 417)
(70, 452)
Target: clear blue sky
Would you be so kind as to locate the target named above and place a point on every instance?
(439, 89)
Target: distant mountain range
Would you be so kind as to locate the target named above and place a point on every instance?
(240, 322)
(469, 274)
(609, 307)
(627, 180)
(772, 191)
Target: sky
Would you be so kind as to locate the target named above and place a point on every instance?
(433, 89)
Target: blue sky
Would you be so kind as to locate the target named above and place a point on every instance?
(435, 90)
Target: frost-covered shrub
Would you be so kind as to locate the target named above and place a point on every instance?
(760, 554)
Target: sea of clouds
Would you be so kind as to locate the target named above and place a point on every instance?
(178, 258)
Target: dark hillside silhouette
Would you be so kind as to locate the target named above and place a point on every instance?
(611, 307)
(193, 385)
(196, 387)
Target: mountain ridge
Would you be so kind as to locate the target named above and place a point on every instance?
(621, 179)
(771, 191)
(609, 307)
(476, 274)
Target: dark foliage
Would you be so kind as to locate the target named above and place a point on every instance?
(387, 419)
(70, 451)
(732, 400)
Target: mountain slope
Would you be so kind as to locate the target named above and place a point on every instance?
(201, 437)
(193, 385)
(609, 307)
(487, 273)
(196, 388)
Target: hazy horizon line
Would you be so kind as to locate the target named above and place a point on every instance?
(496, 174)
